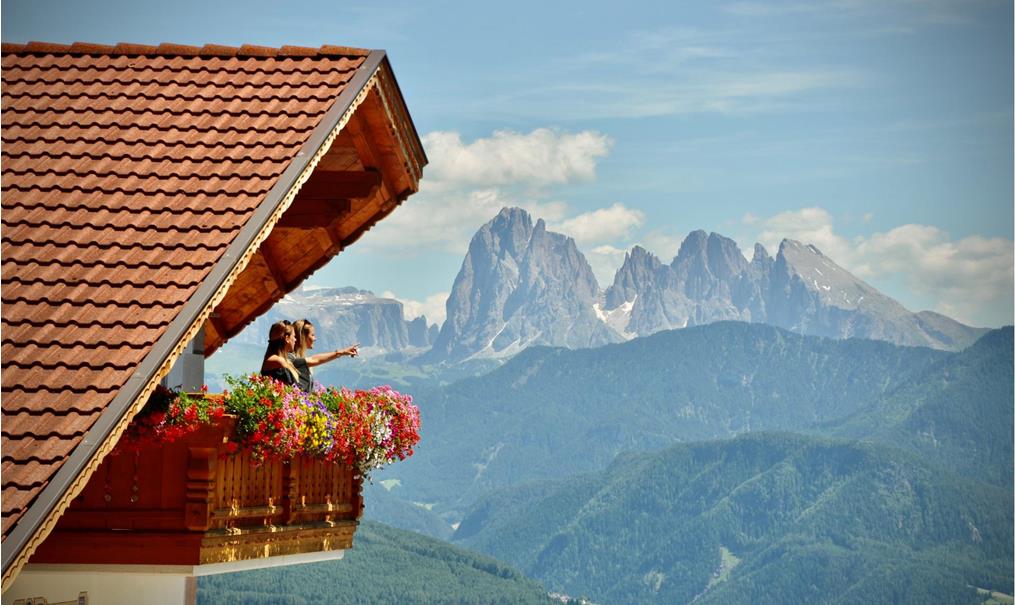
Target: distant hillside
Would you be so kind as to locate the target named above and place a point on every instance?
(386, 565)
(343, 316)
(551, 413)
(957, 412)
(766, 518)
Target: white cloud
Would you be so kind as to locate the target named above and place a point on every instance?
(466, 184)
(970, 279)
(964, 274)
(541, 157)
(602, 225)
(447, 222)
(605, 260)
(432, 307)
(810, 226)
(662, 244)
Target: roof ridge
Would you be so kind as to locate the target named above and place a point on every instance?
(174, 50)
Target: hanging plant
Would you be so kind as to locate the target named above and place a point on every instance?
(364, 429)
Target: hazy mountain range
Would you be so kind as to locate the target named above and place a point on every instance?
(764, 518)
(644, 456)
(659, 470)
(343, 316)
(550, 413)
(521, 285)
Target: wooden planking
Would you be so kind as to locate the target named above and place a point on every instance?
(366, 166)
(294, 251)
(375, 131)
(342, 155)
(311, 213)
(340, 184)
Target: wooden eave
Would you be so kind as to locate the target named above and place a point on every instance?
(372, 165)
(361, 161)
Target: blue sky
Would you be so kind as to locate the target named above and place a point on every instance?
(879, 131)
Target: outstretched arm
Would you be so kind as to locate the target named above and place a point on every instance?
(316, 360)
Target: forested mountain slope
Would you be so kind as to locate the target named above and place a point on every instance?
(763, 518)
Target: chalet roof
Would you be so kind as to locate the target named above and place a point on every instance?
(138, 183)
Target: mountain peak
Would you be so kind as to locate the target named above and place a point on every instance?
(637, 251)
(513, 213)
(520, 285)
(790, 246)
(637, 272)
(693, 245)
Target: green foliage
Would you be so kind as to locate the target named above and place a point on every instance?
(386, 565)
(810, 519)
(551, 413)
(380, 503)
(517, 456)
(957, 412)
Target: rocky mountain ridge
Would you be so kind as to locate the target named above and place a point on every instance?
(521, 285)
(343, 316)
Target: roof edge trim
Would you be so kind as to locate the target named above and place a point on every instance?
(38, 521)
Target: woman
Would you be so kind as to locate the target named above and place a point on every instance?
(305, 337)
(276, 364)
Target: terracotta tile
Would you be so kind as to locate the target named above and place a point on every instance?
(88, 260)
(24, 476)
(45, 449)
(130, 316)
(10, 518)
(58, 380)
(139, 205)
(32, 271)
(75, 149)
(48, 424)
(61, 403)
(60, 355)
(124, 179)
(16, 499)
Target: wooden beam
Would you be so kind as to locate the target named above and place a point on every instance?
(340, 184)
(221, 333)
(275, 272)
(311, 213)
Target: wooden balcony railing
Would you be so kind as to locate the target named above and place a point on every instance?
(190, 502)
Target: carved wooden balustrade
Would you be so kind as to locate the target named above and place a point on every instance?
(190, 502)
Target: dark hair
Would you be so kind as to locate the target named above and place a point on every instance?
(276, 344)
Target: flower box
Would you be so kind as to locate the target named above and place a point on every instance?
(217, 490)
(191, 502)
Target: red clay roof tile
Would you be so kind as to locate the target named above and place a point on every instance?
(126, 172)
(51, 448)
(54, 425)
(169, 50)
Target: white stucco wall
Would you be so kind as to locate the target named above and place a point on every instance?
(103, 588)
(135, 584)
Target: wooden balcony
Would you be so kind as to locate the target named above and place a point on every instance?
(190, 502)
